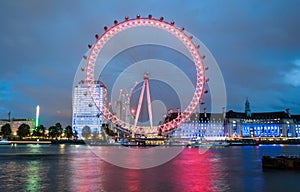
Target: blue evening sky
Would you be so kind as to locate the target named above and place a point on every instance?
(256, 44)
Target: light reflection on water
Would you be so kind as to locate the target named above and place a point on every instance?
(75, 168)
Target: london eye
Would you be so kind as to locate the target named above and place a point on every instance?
(117, 58)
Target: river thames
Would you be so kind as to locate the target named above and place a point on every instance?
(76, 168)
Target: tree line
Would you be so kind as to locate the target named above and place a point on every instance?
(55, 131)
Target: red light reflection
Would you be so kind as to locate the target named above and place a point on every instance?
(189, 171)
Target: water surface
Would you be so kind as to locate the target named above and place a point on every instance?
(76, 168)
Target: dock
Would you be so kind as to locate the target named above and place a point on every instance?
(30, 142)
(281, 162)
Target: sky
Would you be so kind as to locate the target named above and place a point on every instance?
(255, 43)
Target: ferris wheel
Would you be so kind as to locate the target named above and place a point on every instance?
(103, 42)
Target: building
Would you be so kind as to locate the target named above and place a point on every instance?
(296, 119)
(15, 124)
(263, 124)
(85, 113)
(209, 125)
(239, 124)
(267, 124)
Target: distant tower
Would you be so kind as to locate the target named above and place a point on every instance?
(247, 108)
(37, 116)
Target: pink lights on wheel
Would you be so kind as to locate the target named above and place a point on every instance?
(155, 23)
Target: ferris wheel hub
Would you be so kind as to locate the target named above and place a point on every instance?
(146, 76)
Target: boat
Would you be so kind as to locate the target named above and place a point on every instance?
(243, 142)
(144, 142)
(4, 142)
(138, 144)
(209, 144)
(281, 162)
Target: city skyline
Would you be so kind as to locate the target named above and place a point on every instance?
(256, 45)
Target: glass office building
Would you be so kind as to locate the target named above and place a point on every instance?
(86, 116)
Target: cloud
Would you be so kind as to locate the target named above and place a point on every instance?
(41, 45)
(292, 76)
(5, 92)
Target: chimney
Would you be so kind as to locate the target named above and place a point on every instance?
(223, 112)
(205, 115)
(287, 110)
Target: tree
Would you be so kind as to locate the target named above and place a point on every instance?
(39, 131)
(59, 129)
(52, 131)
(23, 130)
(55, 131)
(68, 132)
(86, 132)
(6, 130)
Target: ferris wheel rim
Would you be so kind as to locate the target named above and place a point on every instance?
(165, 26)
